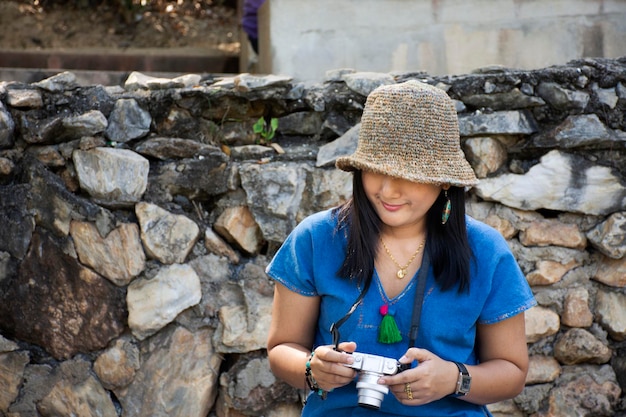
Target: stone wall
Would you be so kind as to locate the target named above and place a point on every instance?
(136, 222)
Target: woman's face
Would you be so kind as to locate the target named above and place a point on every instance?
(399, 203)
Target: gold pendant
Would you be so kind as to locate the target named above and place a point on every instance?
(401, 273)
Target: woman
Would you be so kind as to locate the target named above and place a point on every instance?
(347, 279)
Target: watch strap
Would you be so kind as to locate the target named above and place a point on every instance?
(463, 382)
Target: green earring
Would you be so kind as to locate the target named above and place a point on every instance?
(445, 215)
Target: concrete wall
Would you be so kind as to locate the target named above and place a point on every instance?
(306, 38)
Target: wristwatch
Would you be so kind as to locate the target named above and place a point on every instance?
(464, 381)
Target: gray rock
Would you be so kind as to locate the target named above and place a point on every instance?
(24, 98)
(7, 127)
(498, 123)
(577, 131)
(562, 98)
(343, 146)
(154, 303)
(166, 236)
(570, 183)
(128, 121)
(113, 177)
(609, 237)
(282, 184)
(176, 361)
(365, 82)
(58, 83)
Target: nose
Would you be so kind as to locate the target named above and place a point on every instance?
(389, 187)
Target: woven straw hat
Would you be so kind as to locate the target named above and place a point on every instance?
(410, 130)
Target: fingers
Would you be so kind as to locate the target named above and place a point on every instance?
(408, 391)
(328, 366)
(347, 347)
(430, 380)
(416, 354)
(342, 356)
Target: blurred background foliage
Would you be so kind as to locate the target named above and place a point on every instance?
(129, 9)
(132, 4)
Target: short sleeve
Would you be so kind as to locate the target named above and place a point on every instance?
(507, 290)
(510, 293)
(296, 263)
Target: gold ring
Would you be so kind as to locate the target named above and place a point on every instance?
(407, 389)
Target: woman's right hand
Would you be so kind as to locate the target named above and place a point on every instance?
(328, 366)
(289, 344)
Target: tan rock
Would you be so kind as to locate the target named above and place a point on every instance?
(6, 166)
(577, 346)
(611, 309)
(542, 369)
(237, 225)
(553, 232)
(549, 272)
(486, 154)
(117, 365)
(77, 393)
(234, 333)
(286, 410)
(576, 311)
(215, 244)
(589, 392)
(24, 98)
(119, 256)
(503, 226)
(505, 408)
(12, 365)
(612, 272)
(49, 156)
(541, 322)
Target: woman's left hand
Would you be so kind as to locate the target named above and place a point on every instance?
(433, 378)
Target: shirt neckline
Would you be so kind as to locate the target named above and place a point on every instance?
(383, 295)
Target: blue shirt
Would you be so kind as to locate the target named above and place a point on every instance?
(308, 261)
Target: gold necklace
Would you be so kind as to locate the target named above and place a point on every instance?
(402, 269)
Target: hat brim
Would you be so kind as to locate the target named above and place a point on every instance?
(457, 173)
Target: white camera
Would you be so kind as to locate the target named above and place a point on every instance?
(372, 367)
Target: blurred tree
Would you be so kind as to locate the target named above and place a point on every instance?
(127, 10)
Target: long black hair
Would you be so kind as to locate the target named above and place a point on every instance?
(447, 244)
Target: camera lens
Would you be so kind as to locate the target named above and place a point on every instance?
(371, 393)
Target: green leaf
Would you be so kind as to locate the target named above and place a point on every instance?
(259, 126)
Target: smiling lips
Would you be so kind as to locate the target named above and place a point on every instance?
(391, 207)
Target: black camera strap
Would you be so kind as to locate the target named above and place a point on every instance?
(417, 306)
(334, 328)
(419, 299)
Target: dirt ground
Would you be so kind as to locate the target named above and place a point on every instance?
(182, 24)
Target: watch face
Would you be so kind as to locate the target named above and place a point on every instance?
(465, 384)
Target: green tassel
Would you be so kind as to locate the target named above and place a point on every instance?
(388, 331)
